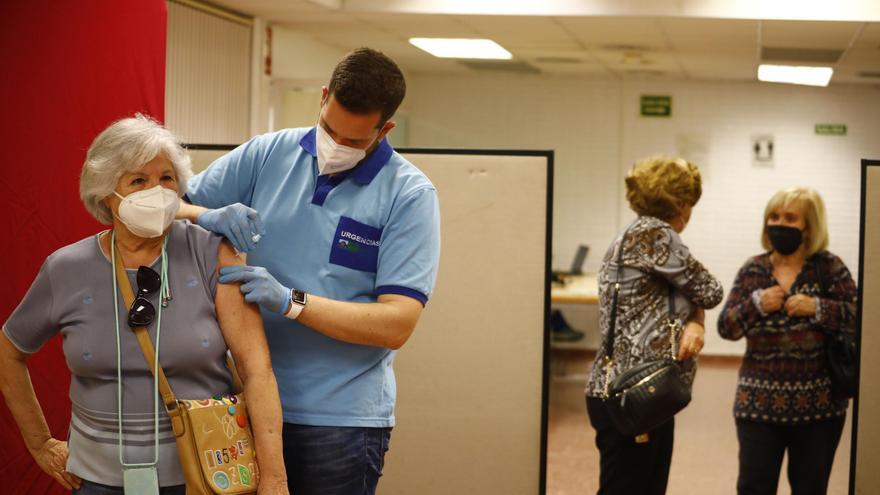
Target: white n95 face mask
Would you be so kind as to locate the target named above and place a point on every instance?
(334, 157)
(149, 212)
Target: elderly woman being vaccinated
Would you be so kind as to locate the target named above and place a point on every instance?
(134, 173)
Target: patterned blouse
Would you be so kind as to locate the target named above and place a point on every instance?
(784, 375)
(654, 258)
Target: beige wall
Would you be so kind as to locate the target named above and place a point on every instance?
(594, 127)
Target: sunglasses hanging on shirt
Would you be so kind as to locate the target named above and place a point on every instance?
(142, 311)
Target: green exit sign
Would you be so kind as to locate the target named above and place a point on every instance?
(656, 106)
(831, 129)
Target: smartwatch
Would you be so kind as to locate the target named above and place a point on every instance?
(298, 301)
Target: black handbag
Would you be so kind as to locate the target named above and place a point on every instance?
(650, 393)
(842, 354)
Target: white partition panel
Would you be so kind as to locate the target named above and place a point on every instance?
(866, 445)
(471, 380)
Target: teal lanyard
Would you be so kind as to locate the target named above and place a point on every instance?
(163, 293)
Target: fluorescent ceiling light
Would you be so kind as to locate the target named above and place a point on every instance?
(462, 48)
(810, 76)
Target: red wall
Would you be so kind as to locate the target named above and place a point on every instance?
(70, 68)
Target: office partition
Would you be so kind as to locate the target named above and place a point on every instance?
(865, 470)
(472, 381)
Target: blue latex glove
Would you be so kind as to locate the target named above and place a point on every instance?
(258, 286)
(238, 223)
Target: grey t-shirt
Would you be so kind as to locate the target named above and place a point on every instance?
(73, 294)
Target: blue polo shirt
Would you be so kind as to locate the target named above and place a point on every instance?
(351, 237)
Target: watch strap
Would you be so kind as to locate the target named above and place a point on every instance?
(296, 306)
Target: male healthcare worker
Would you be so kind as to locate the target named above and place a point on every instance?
(342, 258)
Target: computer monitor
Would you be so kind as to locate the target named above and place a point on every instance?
(577, 265)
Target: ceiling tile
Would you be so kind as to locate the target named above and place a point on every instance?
(556, 46)
(708, 34)
(846, 75)
(349, 40)
(420, 26)
(314, 18)
(808, 34)
(707, 66)
(572, 69)
(270, 8)
(870, 37)
(518, 28)
(438, 66)
(581, 56)
(867, 58)
(637, 62)
(601, 31)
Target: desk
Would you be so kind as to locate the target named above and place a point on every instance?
(578, 289)
(581, 294)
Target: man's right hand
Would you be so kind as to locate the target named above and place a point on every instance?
(238, 223)
(772, 299)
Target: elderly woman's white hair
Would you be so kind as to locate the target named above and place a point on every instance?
(126, 146)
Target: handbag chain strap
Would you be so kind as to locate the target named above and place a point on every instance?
(609, 338)
(143, 337)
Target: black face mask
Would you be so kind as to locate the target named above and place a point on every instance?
(785, 240)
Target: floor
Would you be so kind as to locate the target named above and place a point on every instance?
(705, 456)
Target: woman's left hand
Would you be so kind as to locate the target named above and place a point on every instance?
(800, 305)
(272, 487)
(692, 340)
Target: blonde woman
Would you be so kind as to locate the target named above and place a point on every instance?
(662, 191)
(785, 302)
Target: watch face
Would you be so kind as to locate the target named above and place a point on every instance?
(299, 297)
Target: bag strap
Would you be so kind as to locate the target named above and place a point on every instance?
(672, 322)
(143, 337)
(237, 385)
(609, 338)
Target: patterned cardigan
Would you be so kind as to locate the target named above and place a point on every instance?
(654, 258)
(784, 375)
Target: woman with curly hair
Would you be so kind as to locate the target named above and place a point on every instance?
(655, 265)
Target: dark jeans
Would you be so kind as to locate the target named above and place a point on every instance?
(90, 488)
(627, 467)
(810, 448)
(328, 460)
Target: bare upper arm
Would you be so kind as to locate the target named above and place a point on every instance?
(240, 322)
(228, 299)
(8, 350)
